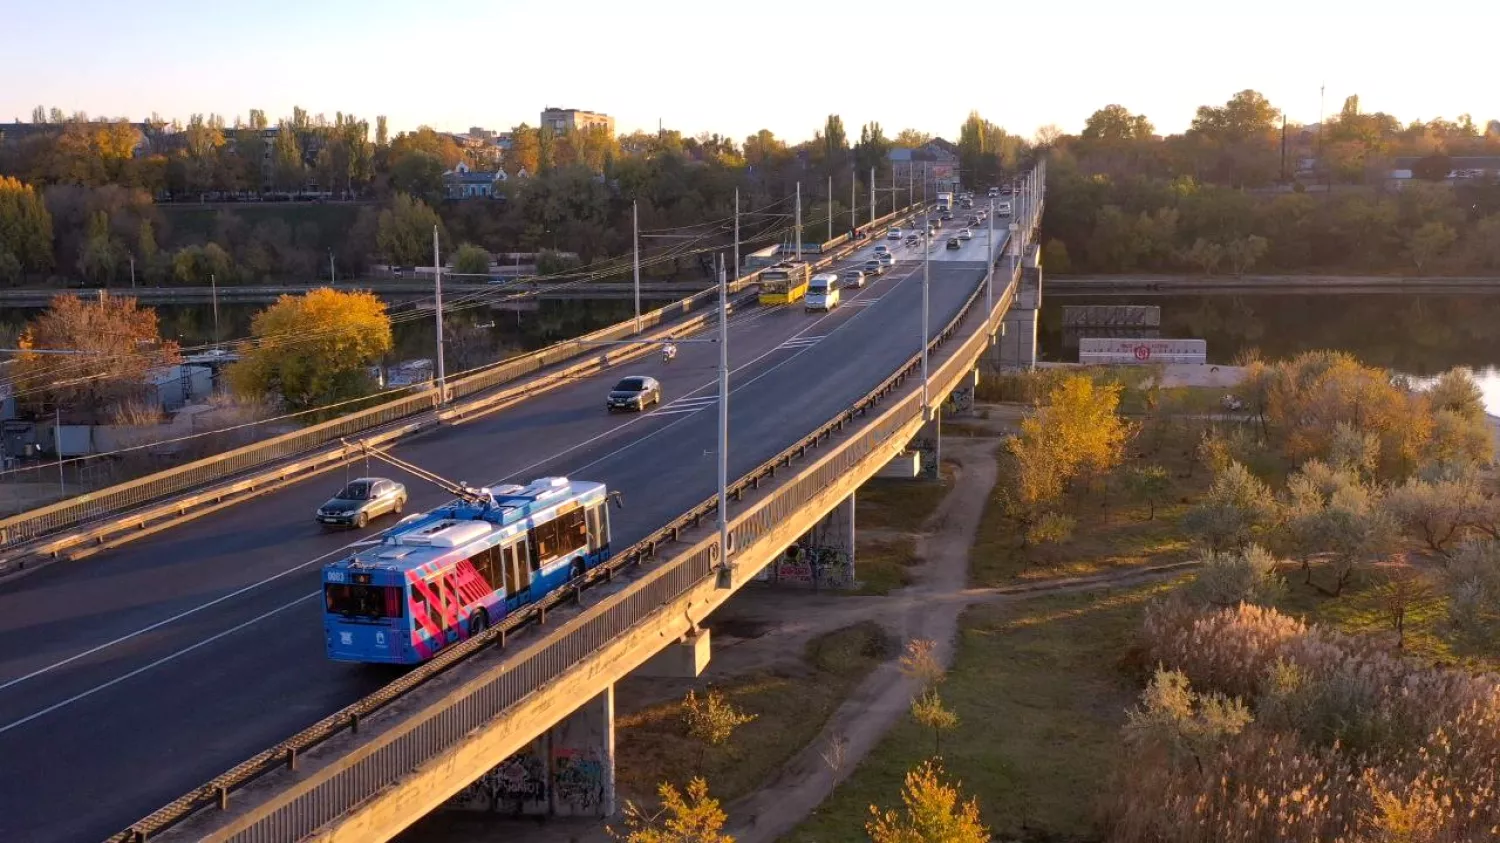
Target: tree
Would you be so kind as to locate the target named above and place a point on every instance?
(711, 720)
(382, 133)
(1429, 242)
(116, 342)
(685, 817)
(1236, 507)
(25, 225)
(1055, 257)
(873, 149)
(1436, 512)
(525, 151)
(471, 260)
(835, 144)
(1076, 431)
(1405, 592)
(1115, 124)
(933, 811)
(1147, 484)
(911, 139)
(419, 174)
(1471, 579)
(1245, 252)
(1230, 578)
(288, 171)
(1205, 255)
(920, 662)
(927, 709)
(404, 233)
(101, 254)
(1185, 724)
(339, 334)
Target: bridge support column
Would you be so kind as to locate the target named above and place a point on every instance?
(568, 771)
(1018, 337)
(824, 558)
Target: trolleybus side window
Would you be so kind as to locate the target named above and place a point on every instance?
(596, 536)
(487, 563)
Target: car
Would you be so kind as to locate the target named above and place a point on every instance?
(1002, 209)
(636, 392)
(887, 259)
(361, 500)
(822, 293)
(882, 249)
(965, 234)
(994, 191)
(874, 266)
(953, 243)
(946, 215)
(852, 278)
(893, 234)
(912, 240)
(973, 220)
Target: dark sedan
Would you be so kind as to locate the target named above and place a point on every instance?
(361, 500)
(634, 393)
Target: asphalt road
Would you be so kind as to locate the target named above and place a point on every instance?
(131, 676)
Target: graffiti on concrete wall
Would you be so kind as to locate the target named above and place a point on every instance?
(814, 566)
(578, 780)
(960, 400)
(517, 786)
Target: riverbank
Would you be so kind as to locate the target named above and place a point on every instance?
(1270, 283)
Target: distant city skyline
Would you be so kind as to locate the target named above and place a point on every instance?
(452, 67)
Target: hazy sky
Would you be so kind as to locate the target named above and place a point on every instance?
(734, 68)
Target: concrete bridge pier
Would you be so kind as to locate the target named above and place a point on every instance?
(1017, 345)
(823, 558)
(567, 771)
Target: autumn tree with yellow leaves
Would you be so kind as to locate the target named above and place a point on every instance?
(933, 811)
(1075, 432)
(313, 350)
(686, 816)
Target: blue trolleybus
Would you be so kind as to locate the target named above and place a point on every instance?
(439, 577)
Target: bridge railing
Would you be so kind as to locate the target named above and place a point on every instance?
(407, 745)
(29, 526)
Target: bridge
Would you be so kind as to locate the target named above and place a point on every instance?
(171, 670)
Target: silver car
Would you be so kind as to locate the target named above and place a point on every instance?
(852, 278)
(361, 500)
(636, 392)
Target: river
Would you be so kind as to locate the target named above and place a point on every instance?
(1418, 334)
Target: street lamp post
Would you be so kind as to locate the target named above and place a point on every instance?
(989, 273)
(437, 277)
(726, 570)
(635, 227)
(926, 272)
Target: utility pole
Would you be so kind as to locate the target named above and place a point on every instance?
(853, 203)
(872, 195)
(132, 272)
(213, 287)
(926, 275)
(333, 277)
(799, 221)
(989, 273)
(635, 227)
(437, 276)
(830, 209)
(62, 483)
(727, 570)
(736, 234)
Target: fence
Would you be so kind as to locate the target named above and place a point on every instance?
(29, 526)
(424, 736)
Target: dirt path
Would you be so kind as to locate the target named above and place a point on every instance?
(764, 628)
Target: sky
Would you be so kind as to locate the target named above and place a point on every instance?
(734, 68)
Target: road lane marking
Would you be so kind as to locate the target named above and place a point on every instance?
(159, 662)
(177, 617)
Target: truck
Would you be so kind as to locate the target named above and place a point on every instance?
(944, 202)
(784, 283)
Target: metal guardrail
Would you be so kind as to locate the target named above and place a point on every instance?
(422, 741)
(29, 526)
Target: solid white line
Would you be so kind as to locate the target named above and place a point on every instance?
(177, 617)
(161, 661)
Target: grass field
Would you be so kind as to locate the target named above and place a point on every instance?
(791, 705)
(1041, 695)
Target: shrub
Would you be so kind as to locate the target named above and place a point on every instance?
(1229, 578)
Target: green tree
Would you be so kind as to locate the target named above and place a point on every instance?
(1429, 242)
(1246, 575)
(471, 260)
(911, 139)
(145, 241)
(873, 149)
(1148, 484)
(100, 257)
(1115, 124)
(25, 225)
(1245, 252)
(712, 719)
(419, 174)
(287, 167)
(1236, 507)
(933, 811)
(339, 335)
(382, 133)
(1055, 257)
(404, 235)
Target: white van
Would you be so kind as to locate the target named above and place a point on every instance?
(822, 292)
